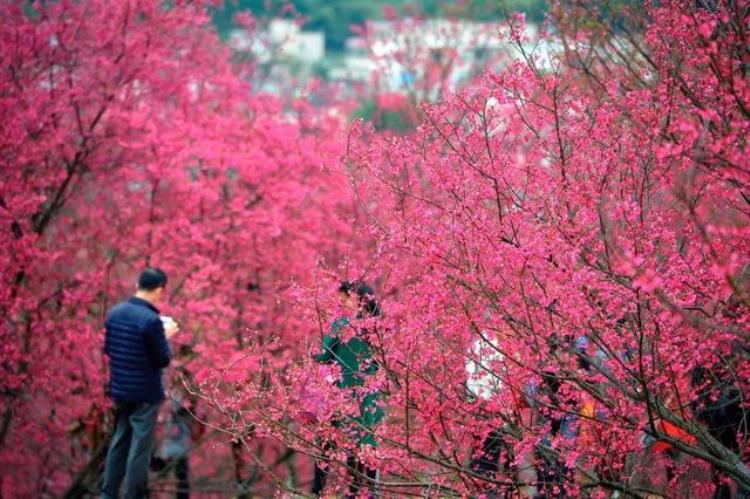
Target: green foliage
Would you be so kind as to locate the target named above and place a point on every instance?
(384, 120)
(336, 17)
(224, 18)
(485, 10)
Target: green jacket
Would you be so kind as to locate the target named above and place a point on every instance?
(355, 359)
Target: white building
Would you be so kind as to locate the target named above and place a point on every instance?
(283, 40)
(399, 52)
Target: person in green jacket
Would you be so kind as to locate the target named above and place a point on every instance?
(356, 362)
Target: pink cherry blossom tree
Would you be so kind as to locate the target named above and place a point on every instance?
(559, 249)
(130, 138)
(577, 226)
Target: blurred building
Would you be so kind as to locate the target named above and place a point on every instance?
(401, 52)
(387, 56)
(283, 40)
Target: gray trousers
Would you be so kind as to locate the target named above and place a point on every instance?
(129, 453)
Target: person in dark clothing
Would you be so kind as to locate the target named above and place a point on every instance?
(182, 428)
(719, 406)
(179, 432)
(137, 347)
(356, 362)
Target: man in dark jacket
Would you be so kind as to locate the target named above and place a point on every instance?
(136, 344)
